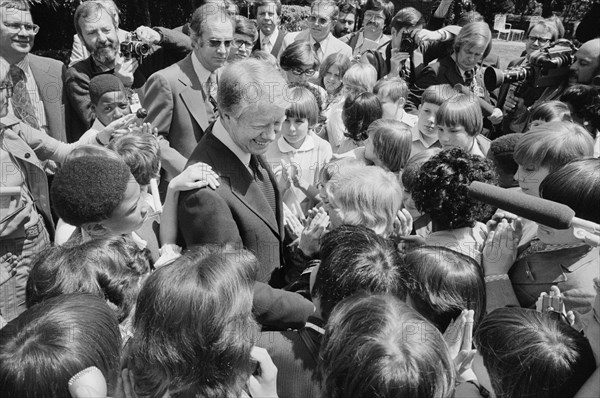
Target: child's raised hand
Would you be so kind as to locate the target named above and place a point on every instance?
(116, 128)
(459, 340)
(312, 233)
(500, 248)
(195, 176)
(263, 383)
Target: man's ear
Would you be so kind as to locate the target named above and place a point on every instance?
(94, 229)
(401, 102)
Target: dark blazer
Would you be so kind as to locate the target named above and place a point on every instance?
(49, 75)
(175, 102)
(445, 71)
(276, 47)
(238, 213)
(295, 353)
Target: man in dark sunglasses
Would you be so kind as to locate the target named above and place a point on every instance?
(182, 99)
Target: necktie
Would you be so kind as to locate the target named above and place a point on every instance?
(317, 47)
(211, 89)
(261, 177)
(468, 77)
(266, 45)
(21, 101)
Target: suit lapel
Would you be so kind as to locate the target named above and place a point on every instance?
(192, 94)
(242, 184)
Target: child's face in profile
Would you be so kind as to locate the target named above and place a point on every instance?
(426, 122)
(530, 177)
(370, 154)
(455, 136)
(112, 106)
(295, 130)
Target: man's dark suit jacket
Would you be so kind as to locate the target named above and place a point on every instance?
(276, 46)
(237, 213)
(174, 47)
(295, 353)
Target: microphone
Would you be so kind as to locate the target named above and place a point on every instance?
(542, 211)
(486, 108)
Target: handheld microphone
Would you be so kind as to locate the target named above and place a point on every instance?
(542, 211)
(486, 108)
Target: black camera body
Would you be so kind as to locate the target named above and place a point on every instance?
(134, 48)
(407, 43)
(547, 67)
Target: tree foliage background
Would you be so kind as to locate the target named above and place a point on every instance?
(55, 17)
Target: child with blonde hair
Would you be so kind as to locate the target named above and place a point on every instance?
(393, 94)
(459, 123)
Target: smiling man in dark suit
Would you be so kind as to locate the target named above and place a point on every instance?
(246, 209)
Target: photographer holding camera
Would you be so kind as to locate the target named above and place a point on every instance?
(97, 28)
(517, 97)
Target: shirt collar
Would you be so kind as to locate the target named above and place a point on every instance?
(323, 43)
(202, 73)
(24, 64)
(476, 150)
(222, 135)
(307, 145)
(264, 37)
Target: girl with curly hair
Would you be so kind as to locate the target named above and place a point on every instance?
(441, 191)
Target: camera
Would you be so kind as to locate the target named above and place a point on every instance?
(407, 43)
(547, 67)
(133, 47)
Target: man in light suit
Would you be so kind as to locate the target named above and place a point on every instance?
(181, 99)
(270, 36)
(42, 77)
(323, 17)
(246, 209)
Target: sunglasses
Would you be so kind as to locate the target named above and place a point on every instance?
(217, 43)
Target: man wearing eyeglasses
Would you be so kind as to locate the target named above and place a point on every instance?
(97, 28)
(38, 94)
(322, 19)
(378, 14)
(270, 35)
(181, 99)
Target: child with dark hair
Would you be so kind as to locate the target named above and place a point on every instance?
(441, 192)
(358, 114)
(331, 73)
(298, 156)
(441, 283)
(99, 196)
(194, 329)
(52, 341)
(378, 346)
(525, 353)
(501, 153)
(298, 64)
(112, 268)
(549, 111)
(584, 103)
(108, 100)
(353, 259)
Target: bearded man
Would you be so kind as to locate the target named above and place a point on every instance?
(97, 29)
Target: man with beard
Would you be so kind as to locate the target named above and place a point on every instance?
(377, 15)
(323, 16)
(347, 20)
(97, 28)
(270, 36)
(38, 95)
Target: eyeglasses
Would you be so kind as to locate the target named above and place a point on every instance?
(217, 43)
(540, 40)
(320, 20)
(15, 27)
(240, 43)
(300, 71)
(8, 87)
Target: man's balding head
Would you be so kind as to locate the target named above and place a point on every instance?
(587, 63)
